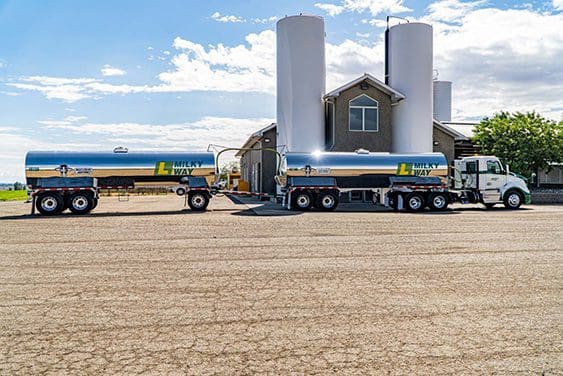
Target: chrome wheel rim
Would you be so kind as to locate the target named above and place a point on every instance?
(198, 201)
(49, 203)
(303, 201)
(514, 199)
(80, 203)
(328, 202)
(439, 202)
(415, 203)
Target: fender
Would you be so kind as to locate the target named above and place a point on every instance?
(511, 185)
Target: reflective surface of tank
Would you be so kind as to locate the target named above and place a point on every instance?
(363, 169)
(128, 166)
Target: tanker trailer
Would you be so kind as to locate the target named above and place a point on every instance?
(64, 179)
(412, 181)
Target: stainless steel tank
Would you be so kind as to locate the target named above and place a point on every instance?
(119, 167)
(363, 169)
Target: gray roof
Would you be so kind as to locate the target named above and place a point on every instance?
(457, 135)
(394, 94)
(254, 138)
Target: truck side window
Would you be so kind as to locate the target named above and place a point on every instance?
(493, 167)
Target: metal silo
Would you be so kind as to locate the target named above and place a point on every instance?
(442, 94)
(409, 68)
(300, 83)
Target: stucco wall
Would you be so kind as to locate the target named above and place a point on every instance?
(346, 140)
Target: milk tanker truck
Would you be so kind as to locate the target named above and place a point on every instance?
(72, 180)
(399, 181)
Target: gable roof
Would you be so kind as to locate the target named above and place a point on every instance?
(394, 94)
(254, 138)
(449, 130)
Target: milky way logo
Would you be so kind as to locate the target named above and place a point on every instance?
(176, 167)
(416, 169)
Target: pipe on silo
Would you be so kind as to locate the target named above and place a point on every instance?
(410, 72)
(301, 79)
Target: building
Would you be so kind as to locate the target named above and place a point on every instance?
(357, 116)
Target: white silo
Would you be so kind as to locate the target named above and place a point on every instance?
(442, 96)
(409, 71)
(300, 83)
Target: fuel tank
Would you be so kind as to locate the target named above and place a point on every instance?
(362, 169)
(119, 168)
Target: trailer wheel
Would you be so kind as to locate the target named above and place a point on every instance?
(438, 201)
(181, 191)
(50, 203)
(95, 200)
(198, 201)
(414, 202)
(513, 199)
(302, 201)
(81, 202)
(327, 201)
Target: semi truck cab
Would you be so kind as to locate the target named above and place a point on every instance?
(486, 180)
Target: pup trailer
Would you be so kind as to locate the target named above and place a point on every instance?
(399, 181)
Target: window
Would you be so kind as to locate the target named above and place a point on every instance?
(364, 114)
(493, 167)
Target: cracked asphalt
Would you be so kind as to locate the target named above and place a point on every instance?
(157, 290)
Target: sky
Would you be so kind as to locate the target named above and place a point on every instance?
(183, 74)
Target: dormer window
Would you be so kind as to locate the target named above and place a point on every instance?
(363, 114)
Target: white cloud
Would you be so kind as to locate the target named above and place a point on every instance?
(375, 22)
(374, 7)
(227, 18)
(451, 10)
(265, 20)
(331, 9)
(108, 70)
(558, 4)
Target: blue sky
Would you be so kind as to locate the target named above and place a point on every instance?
(182, 74)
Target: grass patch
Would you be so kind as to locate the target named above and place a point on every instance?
(13, 195)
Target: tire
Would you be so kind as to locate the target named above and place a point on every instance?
(95, 204)
(394, 201)
(489, 206)
(181, 191)
(81, 202)
(327, 201)
(438, 201)
(198, 201)
(414, 202)
(302, 201)
(50, 203)
(513, 199)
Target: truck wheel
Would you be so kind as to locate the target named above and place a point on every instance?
(181, 191)
(327, 201)
(438, 201)
(50, 203)
(198, 201)
(95, 203)
(513, 199)
(81, 202)
(302, 201)
(414, 202)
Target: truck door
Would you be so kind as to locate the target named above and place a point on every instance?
(492, 180)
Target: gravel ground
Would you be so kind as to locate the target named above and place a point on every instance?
(159, 290)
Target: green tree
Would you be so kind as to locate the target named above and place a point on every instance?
(526, 142)
(18, 186)
(232, 166)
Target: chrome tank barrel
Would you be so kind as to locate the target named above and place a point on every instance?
(141, 166)
(338, 164)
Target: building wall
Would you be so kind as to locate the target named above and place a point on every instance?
(346, 140)
(444, 143)
(258, 167)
